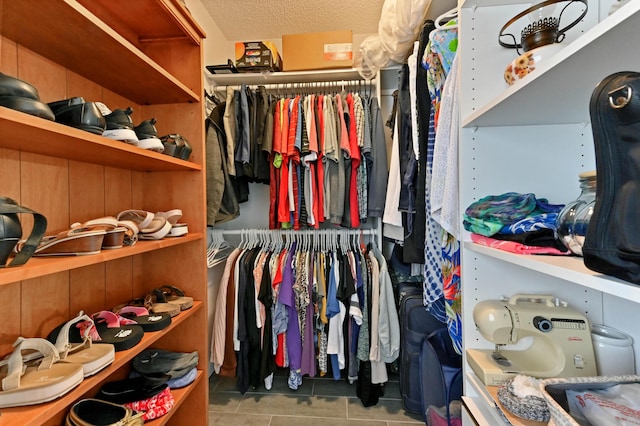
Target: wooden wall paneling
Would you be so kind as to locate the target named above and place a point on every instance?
(10, 303)
(163, 268)
(47, 76)
(117, 190)
(87, 287)
(78, 85)
(44, 304)
(178, 61)
(10, 164)
(45, 182)
(9, 57)
(86, 191)
(118, 282)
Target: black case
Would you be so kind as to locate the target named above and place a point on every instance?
(612, 242)
(416, 324)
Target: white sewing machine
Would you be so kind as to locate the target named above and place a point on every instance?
(561, 339)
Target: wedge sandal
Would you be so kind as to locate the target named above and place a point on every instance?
(76, 347)
(74, 242)
(115, 232)
(34, 384)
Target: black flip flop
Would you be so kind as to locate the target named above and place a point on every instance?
(109, 330)
(142, 317)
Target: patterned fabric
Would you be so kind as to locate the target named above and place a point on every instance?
(154, 407)
(432, 285)
(437, 59)
(531, 223)
(490, 214)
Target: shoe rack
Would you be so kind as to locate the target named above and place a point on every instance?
(146, 54)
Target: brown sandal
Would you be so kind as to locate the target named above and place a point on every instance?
(173, 294)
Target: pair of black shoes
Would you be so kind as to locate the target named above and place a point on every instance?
(22, 96)
(78, 113)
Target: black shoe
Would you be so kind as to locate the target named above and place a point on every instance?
(131, 390)
(56, 106)
(82, 115)
(120, 126)
(22, 96)
(28, 106)
(11, 86)
(148, 136)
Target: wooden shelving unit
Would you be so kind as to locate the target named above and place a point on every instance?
(147, 56)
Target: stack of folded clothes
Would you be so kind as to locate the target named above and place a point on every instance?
(519, 223)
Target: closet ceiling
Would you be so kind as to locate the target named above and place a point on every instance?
(266, 19)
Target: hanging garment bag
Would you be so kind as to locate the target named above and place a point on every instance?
(612, 242)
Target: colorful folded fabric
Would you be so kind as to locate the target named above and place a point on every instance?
(154, 407)
(514, 247)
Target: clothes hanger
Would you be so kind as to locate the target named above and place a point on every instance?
(443, 22)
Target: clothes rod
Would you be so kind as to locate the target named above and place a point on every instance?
(317, 85)
(294, 232)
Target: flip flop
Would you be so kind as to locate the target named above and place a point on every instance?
(146, 320)
(74, 242)
(27, 385)
(159, 303)
(106, 328)
(173, 294)
(156, 304)
(93, 358)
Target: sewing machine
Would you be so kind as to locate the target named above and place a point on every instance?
(561, 339)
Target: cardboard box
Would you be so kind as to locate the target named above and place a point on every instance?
(314, 51)
(255, 56)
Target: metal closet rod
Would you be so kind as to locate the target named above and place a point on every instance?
(319, 232)
(327, 85)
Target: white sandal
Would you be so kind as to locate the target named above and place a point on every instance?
(28, 385)
(93, 358)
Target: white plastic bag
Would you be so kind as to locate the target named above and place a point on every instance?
(399, 26)
(618, 405)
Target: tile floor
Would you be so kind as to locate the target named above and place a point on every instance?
(318, 402)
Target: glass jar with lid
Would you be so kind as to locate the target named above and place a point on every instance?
(572, 221)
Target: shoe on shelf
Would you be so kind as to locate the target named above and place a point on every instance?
(38, 382)
(75, 112)
(22, 96)
(76, 347)
(120, 126)
(148, 136)
(176, 146)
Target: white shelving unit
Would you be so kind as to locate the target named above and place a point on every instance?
(534, 137)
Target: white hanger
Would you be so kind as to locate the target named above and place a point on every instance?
(446, 17)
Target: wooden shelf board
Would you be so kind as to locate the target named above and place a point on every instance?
(68, 34)
(42, 413)
(163, 19)
(42, 266)
(40, 136)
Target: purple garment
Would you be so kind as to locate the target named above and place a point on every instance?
(308, 348)
(287, 298)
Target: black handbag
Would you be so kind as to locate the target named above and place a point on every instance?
(11, 232)
(612, 242)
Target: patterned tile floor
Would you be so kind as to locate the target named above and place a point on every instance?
(318, 402)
